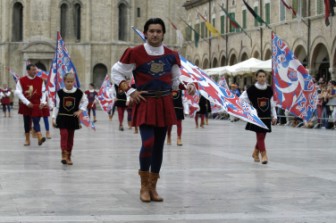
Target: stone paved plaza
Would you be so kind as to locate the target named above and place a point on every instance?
(211, 178)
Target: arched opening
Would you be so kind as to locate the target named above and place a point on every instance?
(77, 21)
(256, 55)
(122, 22)
(197, 62)
(17, 25)
(223, 61)
(205, 64)
(233, 60)
(321, 62)
(40, 65)
(99, 73)
(64, 12)
(301, 55)
(214, 62)
(244, 57)
(268, 54)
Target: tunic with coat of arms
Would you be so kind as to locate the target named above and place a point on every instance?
(68, 104)
(261, 101)
(153, 73)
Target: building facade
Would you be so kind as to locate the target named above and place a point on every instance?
(96, 32)
(305, 32)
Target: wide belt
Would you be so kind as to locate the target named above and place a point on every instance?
(156, 94)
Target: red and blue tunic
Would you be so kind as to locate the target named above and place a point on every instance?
(153, 73)
(32, 90)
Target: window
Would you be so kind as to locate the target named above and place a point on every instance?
(138, 12)
(77, 21)
(17, 30)
(64, 12)
(99, 73)
(319, 7)
(232, 28)
(122, 32)
(188, 32)
(296, 8)
(197, 28)
(222, 21)
(255, 20)
(244, 19)
(282, 12)
(268, 13)
(204, 30)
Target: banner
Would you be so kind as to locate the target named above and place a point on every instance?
(104, 96)
(293, 87)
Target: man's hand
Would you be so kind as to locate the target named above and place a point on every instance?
(42, 105)
(274, 121)
(137, 97)
(30, 105)
(54, 123)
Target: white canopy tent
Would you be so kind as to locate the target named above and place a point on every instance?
(248, 66)
(216, 71)
(251, 68)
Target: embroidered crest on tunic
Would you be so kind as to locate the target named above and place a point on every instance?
(69, 103)
(263, 104)
(156, 68)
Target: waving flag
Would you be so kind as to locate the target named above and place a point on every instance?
(61, 65)
(293, 87)
(85, 120)
(255, 15)
(284, 2)
(217, 94)
(209, 26)
(15, 76)
(142, 36)
(42, 74)
(104, 96)
(179, 35)
(192, 103)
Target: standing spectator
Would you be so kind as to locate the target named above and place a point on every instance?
(156, 71)
(261, 97)
(178, 106)
(5, 95)
(91, 95)
(202, 111)
(70, 103)
(31, 91)
(121, 105)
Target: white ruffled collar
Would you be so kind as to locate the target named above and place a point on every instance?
(154, 51)
(260, 86)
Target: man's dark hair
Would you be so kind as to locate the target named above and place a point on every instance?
(155, 21)
(29, 66)
(260, 71)
(92, 85)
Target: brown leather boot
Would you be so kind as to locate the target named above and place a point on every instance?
(168, 140)
(154, 196)
(48, 135)
(40, 138)
(33, 133)
(144, 191)
(255, 155)
(27, 141)
(179, 141)
(264, 159)
(64, 157)
(68, 157)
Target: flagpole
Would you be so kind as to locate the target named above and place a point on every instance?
(193, 29)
